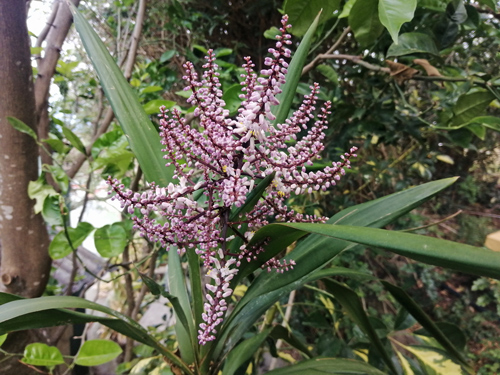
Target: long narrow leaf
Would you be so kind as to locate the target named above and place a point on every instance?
(141, 134)
(435, 251)
(420, 316)
(14, 309)
(294, 73)
(333, 366)
(312, 254)
(354, 309)
(184, 326)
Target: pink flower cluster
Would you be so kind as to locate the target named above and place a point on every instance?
(220, 159)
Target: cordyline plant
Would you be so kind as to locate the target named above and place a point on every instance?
(223, 157)
(225, 210)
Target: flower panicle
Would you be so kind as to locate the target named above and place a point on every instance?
(217, 160)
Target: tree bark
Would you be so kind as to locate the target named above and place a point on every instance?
(24, 262)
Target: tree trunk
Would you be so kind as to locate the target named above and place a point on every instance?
(24, 261)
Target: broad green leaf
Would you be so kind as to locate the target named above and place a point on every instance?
(434, 362)
(393, 13)
(456, 12)
(153, 106)
(184, 326)
(281, 333)
(110, 240)
(221, 52)
(167, 55)
(40, 190)
(294, 74)
(346, 10)
(2, 339)
(477, 129)
(352, 305)
(487, 121)
(410, 43)
(420, 316)
(328, 72)
(302, 13)
(51, 210)
(143, 137)
(39, 354)
(469, 106)
(312, 254)
(60, 246)
(74, 140)
(97, 352)
(57, 145)
(334, 366)
(232, 98)
(22, 127)
(451, 331)
(107, 140)
(364, 22)
(17, 313)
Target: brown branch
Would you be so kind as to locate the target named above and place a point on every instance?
(355, 59)
(332, 49)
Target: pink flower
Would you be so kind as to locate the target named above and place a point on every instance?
(223, 157)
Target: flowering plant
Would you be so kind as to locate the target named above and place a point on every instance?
(223, 157)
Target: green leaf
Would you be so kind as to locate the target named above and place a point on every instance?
(184, 325)
(420, 316)
(478, 130)
(151, 89)
(17, 314)
(464, 258)
(294, 74)
(153, 106)
(347, 8)
(352, 305)
(487, 121)
(40, 190)
(2, 339)
(97, 352)
(451, 331)
(39, 354)
(57, 145)
(469, 106)
(272, 33)
(393, 13)
(167, 55)
(328, 72)
(432, 361)
(221, 52)
(110, 240)
(232, 98)
(60, 246)
(489, 3)
(51, 210)
(302, 13)
(456, 12)
(364, 22)
(312, 254)
(244, 351)
(22, 127)
(410, 43)
(143, 137)
(74, 140)
(334, 366)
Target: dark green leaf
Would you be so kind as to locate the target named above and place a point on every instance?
(244, 351)
(22, 127)
(97, 352)
(449, 330)
(469, 106)
(414, 309)
(364, 22)
(74, 140)
(51, 210)
(410, 43)
(456, 12)
(167, 55)
(329, 73)
(352, 305)
(143, 137)
(393, 13)
(334, 366)
(39, 354)
(302, 13)
(478, 130)
(110, 240)
(488, 3)
(232, 98)
(151, 89)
